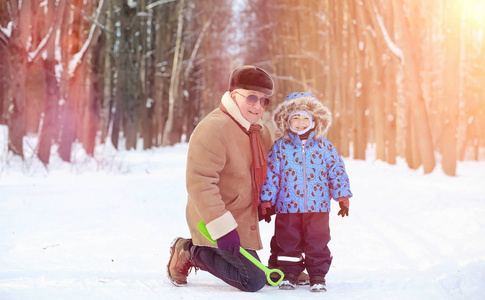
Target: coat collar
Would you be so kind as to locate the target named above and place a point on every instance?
(295, 137)
(235, 113)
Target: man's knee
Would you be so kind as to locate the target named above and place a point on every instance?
(256, 282)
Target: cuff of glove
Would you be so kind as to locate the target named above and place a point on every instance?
(344, 201)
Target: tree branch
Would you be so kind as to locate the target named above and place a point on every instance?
(154, 4)
(392, 46)
(31, 56)
(6, 32)
(3, 39)
(78, 57)
(190, 64)
(379, 27)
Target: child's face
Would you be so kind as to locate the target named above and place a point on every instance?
(299, 122)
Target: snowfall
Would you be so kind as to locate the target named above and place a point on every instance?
(101, 227)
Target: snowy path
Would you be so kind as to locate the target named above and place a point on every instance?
(78, 233)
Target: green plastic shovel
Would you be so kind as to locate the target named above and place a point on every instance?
(205, 232)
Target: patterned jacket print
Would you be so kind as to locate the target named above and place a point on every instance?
(303, 178)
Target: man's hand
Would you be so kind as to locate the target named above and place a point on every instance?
(344, 206)
(230, 242)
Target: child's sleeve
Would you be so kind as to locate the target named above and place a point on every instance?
(269, 190)
(339, 184)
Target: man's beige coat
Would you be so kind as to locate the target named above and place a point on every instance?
(218, 177)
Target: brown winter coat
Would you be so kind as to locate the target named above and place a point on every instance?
(218, 177)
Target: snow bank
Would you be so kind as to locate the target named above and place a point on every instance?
(100, 228)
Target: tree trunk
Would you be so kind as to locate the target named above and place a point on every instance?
(68, 116)
(92, 105)
(448, 146)
(419, 115)
(73, 90)
(390, 94)
(16, 125)
(174, 80)
(344, 145)
(360, 88)
(334, 87)
(4, 80)
(131, 72)
(49, 129)
(108, 75)
(147, 79)
(19, 67)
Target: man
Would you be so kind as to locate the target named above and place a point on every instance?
(226, 167)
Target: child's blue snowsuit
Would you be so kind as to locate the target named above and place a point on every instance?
(301, 180)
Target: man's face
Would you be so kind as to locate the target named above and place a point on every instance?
(252, 113)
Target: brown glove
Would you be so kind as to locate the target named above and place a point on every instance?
(265, 206)
(344, 206)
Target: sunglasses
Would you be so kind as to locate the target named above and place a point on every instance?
(252, 99)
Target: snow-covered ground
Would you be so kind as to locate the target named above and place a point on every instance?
(100, 228)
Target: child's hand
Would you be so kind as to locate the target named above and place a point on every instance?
(265, 206)
(344, 206)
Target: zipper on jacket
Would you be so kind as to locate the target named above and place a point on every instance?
(304, 174)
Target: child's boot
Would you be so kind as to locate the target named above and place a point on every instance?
(290, 282)
(317, 284)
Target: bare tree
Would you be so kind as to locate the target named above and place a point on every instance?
(20, 17)
(175, 77)
(401, 76)
(420, 128)
(450, 112)
(49, 129)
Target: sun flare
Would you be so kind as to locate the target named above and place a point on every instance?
(473, 11)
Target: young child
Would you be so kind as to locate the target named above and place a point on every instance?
(304, 173)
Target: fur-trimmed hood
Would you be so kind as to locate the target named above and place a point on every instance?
(302, 101)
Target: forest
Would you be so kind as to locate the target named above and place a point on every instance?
(403, 76)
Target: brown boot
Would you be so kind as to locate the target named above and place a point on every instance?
(179, 265)
(303, 279)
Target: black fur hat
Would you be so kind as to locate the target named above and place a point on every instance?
(251, 78)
